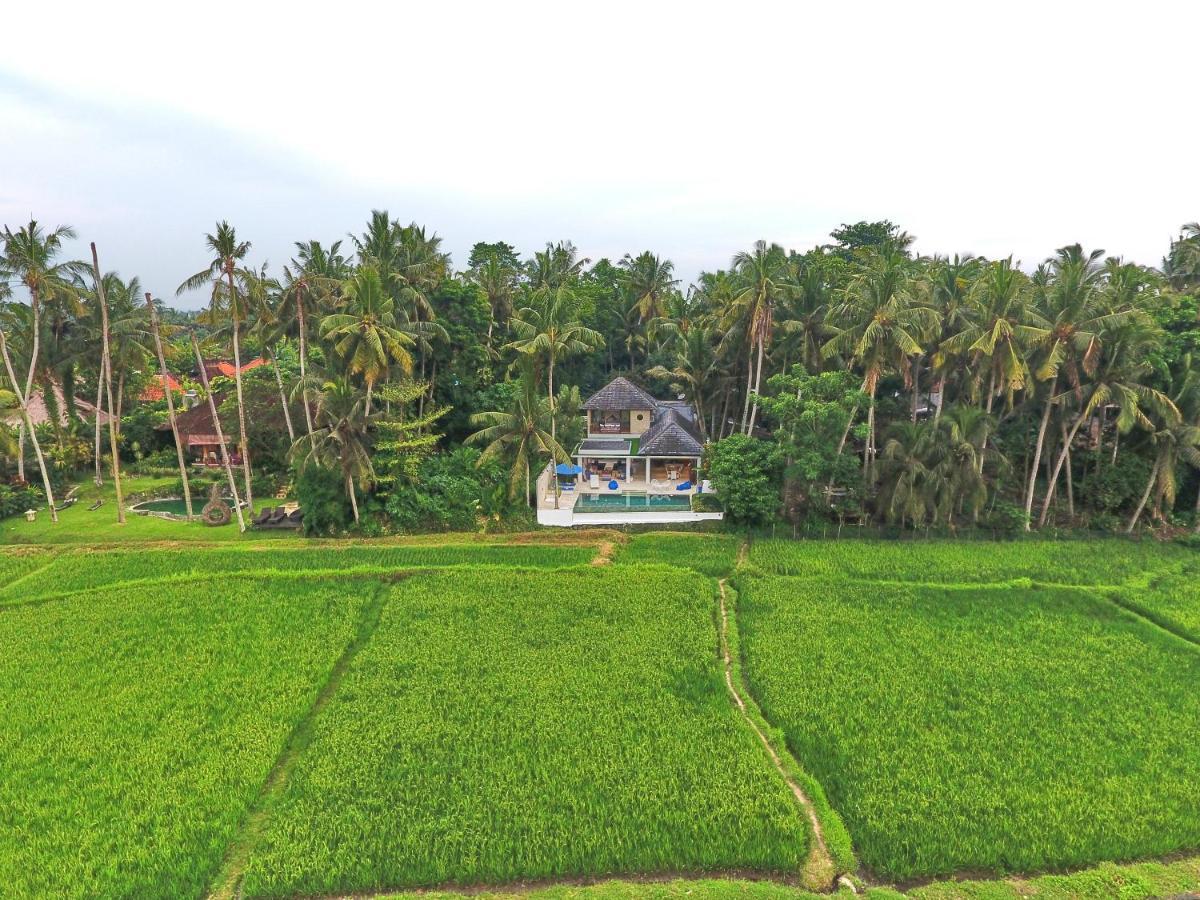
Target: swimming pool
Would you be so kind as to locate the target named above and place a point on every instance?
(171, 506)
(601, 503)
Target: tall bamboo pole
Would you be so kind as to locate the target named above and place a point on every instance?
(212, 406)
(106, 364)
(166, 380)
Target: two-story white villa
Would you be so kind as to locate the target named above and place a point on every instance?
(639, 462)
(638, 441)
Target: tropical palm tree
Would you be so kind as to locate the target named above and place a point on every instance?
(648, 281)
(988, 336)
(1064, 331)
(228, 252)
(342, 438)
(310, 283)
(948, 284)
(522, 433)
(498, 284)
(365, 335)
(878, 324)
(550, 329)
(692, 372)
(760, 274)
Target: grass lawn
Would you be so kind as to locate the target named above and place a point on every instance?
(981, 727)
(76, 524)
(139, 725)
(504, 726)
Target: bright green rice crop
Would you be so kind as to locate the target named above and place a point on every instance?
(1172, 600)
(1091, 562)
(83, 570)
(710, 554)
(522, 725)
(15, 565)
(139, 725)
(981, 727)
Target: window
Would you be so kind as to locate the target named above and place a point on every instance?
(610, 421)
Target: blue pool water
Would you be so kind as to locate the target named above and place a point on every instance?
(599, 503)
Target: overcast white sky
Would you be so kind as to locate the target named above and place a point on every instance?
(690, 129)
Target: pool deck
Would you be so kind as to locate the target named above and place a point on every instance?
(565, 515)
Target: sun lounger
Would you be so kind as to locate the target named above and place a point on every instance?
(263, 517)
(95, 506)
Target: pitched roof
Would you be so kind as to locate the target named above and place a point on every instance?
(620, 393)
(154, 390)
(670, 435)
(39, 412)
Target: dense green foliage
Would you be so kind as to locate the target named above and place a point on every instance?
(917, 391)
(528, 726)
(139, 725)
(980, 726)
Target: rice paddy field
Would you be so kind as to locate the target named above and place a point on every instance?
(292, 718)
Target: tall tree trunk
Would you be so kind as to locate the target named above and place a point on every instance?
(988, 409)
(212, 408)
(941, 392)
(1070, 481)
(166, 381)
(1063, 453)
(915, 369)
(1037, 453)
(23, 400)
(749, 379)
(287, 413)
(303, 325)
(1137, 513)
(99, 476)
(757, 387)
(243, 443)
(841, 446)
(20, 450)
(553, 423)
(869, 450)
(353, 498)
(106, 360)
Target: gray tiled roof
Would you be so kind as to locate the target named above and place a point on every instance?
(671, 434)
(620, 393)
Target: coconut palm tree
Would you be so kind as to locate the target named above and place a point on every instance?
(948, 284)
(550, 329)
(31, 257)
(228, 252)
(1182, 265)
(557, 265)
(692, 372)
(498, 284)
(1069, 313)
(310, 283)
(987, 338)
(522, 433)
(648, 281)
(1120, 369)
(760, 276)
(342, 438)
(365, 335)
(878, 323)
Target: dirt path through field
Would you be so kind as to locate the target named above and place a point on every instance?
(819, 869)
(604, 553)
